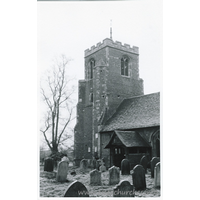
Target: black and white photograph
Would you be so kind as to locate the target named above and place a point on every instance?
(99, 99)
(100, 69)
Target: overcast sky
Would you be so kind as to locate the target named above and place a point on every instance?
(71, 27)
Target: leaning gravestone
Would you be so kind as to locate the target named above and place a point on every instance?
(48, 164)
(144, 163)
(157, 175)
(124, 189)
(62, 171)
(138, 177)
(114, 175)
(84, 165)
(76, 189)
(154, 161)
(95, 177)
(125, 167)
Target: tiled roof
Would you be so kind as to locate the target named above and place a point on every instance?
(129, 139)
(137, 112)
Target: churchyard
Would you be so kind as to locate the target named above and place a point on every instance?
(113, 182)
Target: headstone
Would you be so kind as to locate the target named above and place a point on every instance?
(62, 171)
(95, 177)
(157, 175)
(125, 167)
(65, 158)
(48, 164)
(154, 161)
(89, 163)
(124, 189)
(83, 165)
(138, 177)
(102, 168)
(76, 189)
(114, 175)
(144, 163)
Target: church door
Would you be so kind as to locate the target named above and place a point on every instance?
(118, 156)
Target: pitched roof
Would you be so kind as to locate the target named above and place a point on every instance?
(137, 112)
(129, 139)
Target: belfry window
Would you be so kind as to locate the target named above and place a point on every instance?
(124, 66)
(92, 64)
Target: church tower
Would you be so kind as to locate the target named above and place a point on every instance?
(111, 75)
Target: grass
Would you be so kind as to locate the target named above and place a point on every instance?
(50, 188)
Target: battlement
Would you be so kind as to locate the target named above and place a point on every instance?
(111, 43)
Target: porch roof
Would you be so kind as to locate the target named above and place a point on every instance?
(129, 139)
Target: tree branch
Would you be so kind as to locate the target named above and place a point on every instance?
(58, 94)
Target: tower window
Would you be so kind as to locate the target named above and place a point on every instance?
(92, 64)
(89, 149)
(124, 66)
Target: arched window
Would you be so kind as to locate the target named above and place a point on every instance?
(124, 66)
(92, 64)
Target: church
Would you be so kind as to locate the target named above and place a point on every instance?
(115, 119)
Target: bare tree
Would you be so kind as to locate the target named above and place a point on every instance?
(56, 93)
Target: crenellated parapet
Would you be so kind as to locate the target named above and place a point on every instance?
(111, 43)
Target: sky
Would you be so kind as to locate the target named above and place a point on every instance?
(72, 27)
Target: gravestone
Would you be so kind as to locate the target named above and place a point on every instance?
(83, 165)
(144, 163)
(65, 158)
(48, 164)
(62, 171)
(157, 175)
(138, 177)
(154, 161)
(124, 189)
(114, 175)
(125, 167)
(89, 163)
(95, 177)
(102, 168)
(76, 189)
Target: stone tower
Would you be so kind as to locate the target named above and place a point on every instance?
(111, 75)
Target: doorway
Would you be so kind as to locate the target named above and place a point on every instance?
(118, 156)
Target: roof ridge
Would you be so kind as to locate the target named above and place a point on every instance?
(142, 95)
